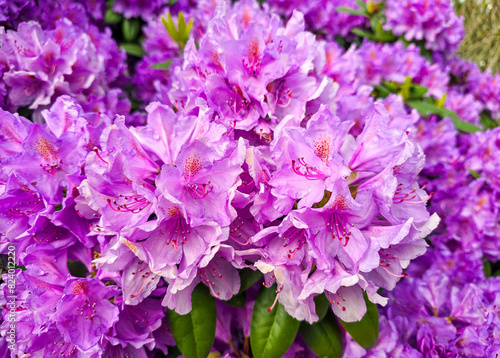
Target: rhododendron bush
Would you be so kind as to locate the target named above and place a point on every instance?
(246, 179)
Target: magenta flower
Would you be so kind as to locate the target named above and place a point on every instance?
(85, 304)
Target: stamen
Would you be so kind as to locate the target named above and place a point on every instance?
(284, 98)
(133, 204)
(393, 274)
(208, 282)
(275, 299)
(294, 234)
(232, 128)
(401, 197)
(311, 173)
(269, 282)
(336, 299)
(99, 156)
(199, 191)
(175, 235)
(145, 276)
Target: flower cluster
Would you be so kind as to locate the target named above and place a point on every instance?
(39, 64)
(81, 13)
(434, 22)
(323, 16)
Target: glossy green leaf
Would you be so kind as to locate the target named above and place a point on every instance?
(322, 305)
(169, 26)
(77, 268)
(271, 333)
(194, 332)
(238, 300)
(111, 17)
(365, 332)
(248, 277)
(130, 29)
(173, 352)
(323, 337)
(162, 65)
(133, 49)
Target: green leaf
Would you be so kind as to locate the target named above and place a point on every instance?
(382, 91)
(405, 88)
(391, 86)
(322, 305)
(425, 109)
(181, 25)
(417, 91)
(383, 36)
(133, 49)
(112, 18)
(238, 300)
(487, 121)
(172, 2)
(162, 65)
(77, 268)
(362, 33)
(440, 103)
(188, 29)
(365, 332)
(374, 21)
(248, 277)
(475, 174)
(194, 332)
(495, 274)
(323, 337)
(350, 11)
(173, 352)
(362, 5)
(169, 26)
(130, 28)
(464, 126)
(271, 333)
(487, 268)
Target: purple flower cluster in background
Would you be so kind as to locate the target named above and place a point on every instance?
(42, 60)
(433, 21)
(302, 144)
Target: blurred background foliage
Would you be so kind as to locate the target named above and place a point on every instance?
(482, 28)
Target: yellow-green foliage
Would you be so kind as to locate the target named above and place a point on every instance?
(482, 32)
